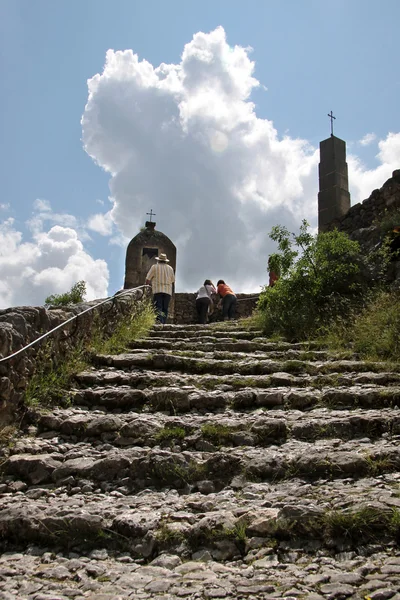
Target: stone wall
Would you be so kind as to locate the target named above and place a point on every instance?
(360, 222)
(21, 325)
(185, 308)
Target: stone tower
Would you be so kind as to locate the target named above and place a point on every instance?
(334, 196)
(141, 253)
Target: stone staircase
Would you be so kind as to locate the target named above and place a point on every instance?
(208, 462)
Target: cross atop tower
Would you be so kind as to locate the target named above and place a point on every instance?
(151, 214)
(331, 118)
(333, 196)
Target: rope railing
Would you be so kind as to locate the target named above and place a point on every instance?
(61, 325)
(251, 298)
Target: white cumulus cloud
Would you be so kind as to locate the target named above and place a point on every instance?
(185, 140)
(362, 180)
(367, 139)
(51, 263)
(43, 213)
(101, 223)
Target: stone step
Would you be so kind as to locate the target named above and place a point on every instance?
(279, 569)
(256, 355)
(243, 366)
(206, 332)
(237, 522)
(211, 343)
(180, 394)
(210, 433)
(232, 350)
(55, 462)
(217, 326)
(174, 400)
(140, 380)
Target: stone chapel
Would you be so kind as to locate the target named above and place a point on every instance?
(142, 251)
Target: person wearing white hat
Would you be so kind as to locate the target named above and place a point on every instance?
(161, 277)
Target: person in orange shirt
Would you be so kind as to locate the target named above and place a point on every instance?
(228, 300)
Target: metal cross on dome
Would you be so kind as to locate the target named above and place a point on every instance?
(331, 118)
(151, 214)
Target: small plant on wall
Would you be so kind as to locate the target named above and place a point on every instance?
(74, 296)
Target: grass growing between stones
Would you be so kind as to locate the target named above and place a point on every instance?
(166, 535)
(52, 382)
(170, 434)
(217, 434)
(178, 473)
(366, 524)
(7, 435)
(134, 326)
(377, 465)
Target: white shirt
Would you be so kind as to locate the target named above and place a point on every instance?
(205, 291)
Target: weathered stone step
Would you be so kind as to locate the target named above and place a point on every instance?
(139, 468)
(286, 355)
(181, 400)
(223, 383)
(242, 366)
(233, 523)
(218, 325)
(235, 350)
(206, 332)
(224, 344)
(214, 431)
(176, 400)
(238, 325)
(279, 569)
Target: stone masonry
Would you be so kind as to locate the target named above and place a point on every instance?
(19, 326)
(208, 462)
(362, 220)
(333, 196)
(185, 308)
(142, 251)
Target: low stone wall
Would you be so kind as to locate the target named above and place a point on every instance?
(22, 325)
(185, 308)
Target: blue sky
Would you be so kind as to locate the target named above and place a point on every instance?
(311, 56)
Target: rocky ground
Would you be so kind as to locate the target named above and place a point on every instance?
(208, 462)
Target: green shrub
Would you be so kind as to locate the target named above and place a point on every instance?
(322, 277)
(389, 221)
(74, 296)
